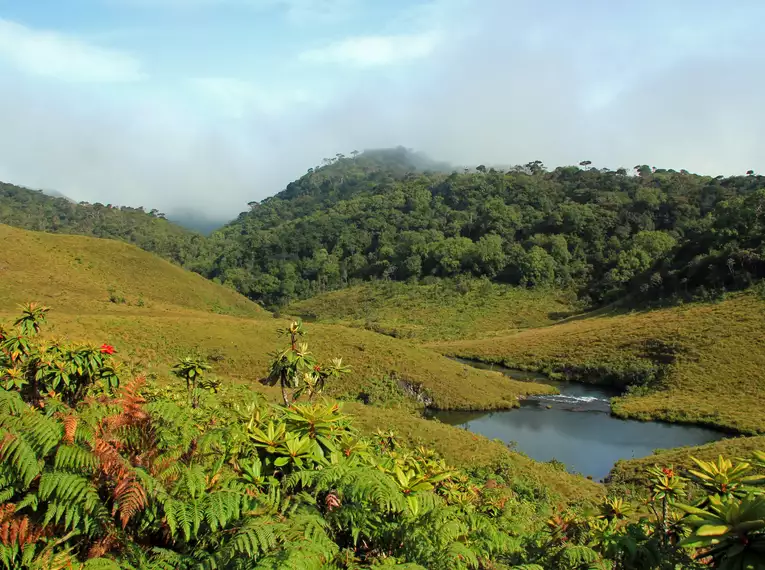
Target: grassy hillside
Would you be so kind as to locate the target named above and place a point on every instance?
(445, 310)
(34, 210)
(697, 363)
(181, 314)
(633, 471)
(80, 274)
(241, 348)
(162, 320)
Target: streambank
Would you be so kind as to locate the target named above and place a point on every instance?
(575, 427)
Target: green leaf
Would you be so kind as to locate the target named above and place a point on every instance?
(713, 530)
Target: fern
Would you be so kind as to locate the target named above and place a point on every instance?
(42, 433)
(221, 507)
(75, 459)
(129, 498)
(72, 499)
(20, 457)
(256, 536)
(11, 403)
(576, 556)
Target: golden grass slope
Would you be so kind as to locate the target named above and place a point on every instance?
(181, 314)
(633, 471)
(445, 310)
(75, 274)
(241, 350)
(712, 357)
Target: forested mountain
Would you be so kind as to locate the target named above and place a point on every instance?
(604, 232)
(35, 210)
(395, 214)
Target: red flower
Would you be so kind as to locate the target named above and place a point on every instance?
(107, 349)
(668, 472)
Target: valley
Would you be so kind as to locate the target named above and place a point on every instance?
(519, 364)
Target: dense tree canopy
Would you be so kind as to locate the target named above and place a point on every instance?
(605, 233)
(394, 214)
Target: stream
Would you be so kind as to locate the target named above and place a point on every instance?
(574, 427)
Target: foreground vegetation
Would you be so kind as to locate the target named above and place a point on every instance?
(632, 472)
(444, 310)
(700, 363)
(97, 473)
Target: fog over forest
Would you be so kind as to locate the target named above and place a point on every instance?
(118, 117)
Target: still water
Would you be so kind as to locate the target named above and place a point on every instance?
(576, 428)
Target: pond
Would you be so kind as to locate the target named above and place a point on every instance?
(575, 427)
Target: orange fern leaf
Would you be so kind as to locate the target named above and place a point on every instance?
(6, 511)
(129, 498)
(70, 427)
(132, 402)
(18, 531)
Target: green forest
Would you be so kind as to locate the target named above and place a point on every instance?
(604, 233)
(607, 234)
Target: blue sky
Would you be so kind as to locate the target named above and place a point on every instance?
(208, 104)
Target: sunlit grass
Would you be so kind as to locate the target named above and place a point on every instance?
(709, 359)
(170, 312)
(77, 274)
(446, 310)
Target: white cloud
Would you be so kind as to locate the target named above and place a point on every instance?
(236, 97)
(51, 54)
(372, 51)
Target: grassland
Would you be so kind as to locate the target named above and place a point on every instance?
(633, 471)
(170, 312)
(699, 363)
(77, 274)
(240, 350)
(441, 311)
(181, 313)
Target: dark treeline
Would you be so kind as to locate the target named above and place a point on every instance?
(651, 233)
(393, 214)
(34, 210)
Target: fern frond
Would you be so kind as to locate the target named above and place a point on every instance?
(70, 428)
(11, 403)
(42, 433)
(129, 498)
(576, 555)
(178, 518)
(75, 459)
(221, 507)
(20, 457)
(255, 537)
(72, 499)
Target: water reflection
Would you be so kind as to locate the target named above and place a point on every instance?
(575, 427)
